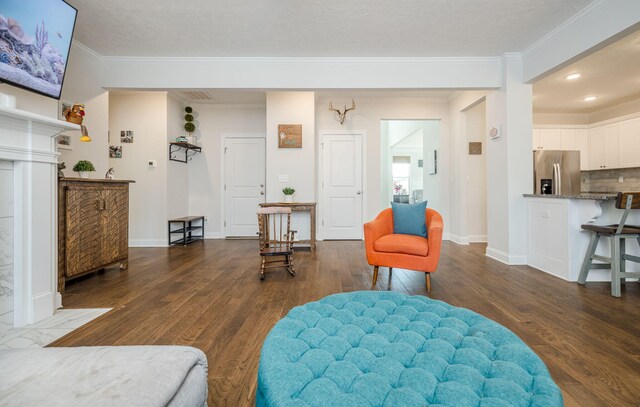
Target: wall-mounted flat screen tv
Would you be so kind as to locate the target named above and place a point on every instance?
(35, 37)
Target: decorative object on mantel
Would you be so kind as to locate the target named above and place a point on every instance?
(110, 174)
(189, 151)
(61, 166)
(75, 114)
(342, 115)
(475, 148)
(288, 194)
(289, 136)
(83, 167)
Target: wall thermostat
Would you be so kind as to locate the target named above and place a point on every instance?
(153, 163)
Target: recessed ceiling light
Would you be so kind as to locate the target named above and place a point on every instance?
(589, 98)
(573, 76)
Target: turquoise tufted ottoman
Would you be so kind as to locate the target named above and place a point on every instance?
(371, 348)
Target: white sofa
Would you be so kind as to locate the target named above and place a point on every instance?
(104, 376)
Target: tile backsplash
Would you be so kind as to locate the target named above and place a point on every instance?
(608, 180)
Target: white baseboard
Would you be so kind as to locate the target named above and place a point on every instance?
(43, 306)
(148, 243)
(213, 235)
(458, 239)
(511, 260)
(478, 239)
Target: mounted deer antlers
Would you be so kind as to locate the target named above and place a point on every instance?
(342, 115)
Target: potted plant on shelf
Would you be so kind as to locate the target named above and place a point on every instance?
(288, 194)
(83, 167)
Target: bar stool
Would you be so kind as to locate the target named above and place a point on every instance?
(618, 234)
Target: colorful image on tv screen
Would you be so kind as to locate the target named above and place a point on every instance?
(35, 36)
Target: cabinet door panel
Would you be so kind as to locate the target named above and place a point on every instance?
(567, 140)
(582, 144)
(629, 143)
(596, 153)
(610, 144)
(83, 244)
(551, 139)
(114, 224)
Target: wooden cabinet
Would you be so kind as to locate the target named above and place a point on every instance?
(550, 139)
(629, 143)
(596, 151)
(536, 139)
(93, 226)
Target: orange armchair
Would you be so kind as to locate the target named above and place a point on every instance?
(386, 249)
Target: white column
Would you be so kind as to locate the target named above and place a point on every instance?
(509, 164)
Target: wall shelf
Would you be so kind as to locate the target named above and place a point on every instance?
(189, 151)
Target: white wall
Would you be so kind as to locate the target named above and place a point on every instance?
(459, 230)
(367, 118)
(82, 85)
(296, 163)
(205, 170)
(144, 113)
(177, 173)
(509, 165)
(477, 174)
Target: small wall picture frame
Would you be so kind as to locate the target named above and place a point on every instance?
(432, 162)
(475, 148)
(495, 132)
(64, 142)
(62, 106)
(126, 136)
(115, 151)
(289, 136)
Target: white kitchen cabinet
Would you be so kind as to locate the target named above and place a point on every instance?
(603, 147)
(596, 152)
(629, 143)
(610, 146)
(581, 143)
(567, 139)
(551, 139)
(536, 139)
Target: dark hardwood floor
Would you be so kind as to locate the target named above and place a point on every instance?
(209, 295)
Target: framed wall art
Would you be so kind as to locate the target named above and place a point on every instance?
(289, 136)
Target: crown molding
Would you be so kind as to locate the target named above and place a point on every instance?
(80, 46)
(302, 60)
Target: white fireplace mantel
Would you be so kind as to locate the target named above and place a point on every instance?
(28, 140)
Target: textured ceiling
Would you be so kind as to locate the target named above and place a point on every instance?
(317, 28)
(612, 74)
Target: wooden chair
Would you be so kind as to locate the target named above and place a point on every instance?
(386, 249)
(276, 239)
(618, 234)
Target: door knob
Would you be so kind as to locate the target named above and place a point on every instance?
(261, 185)
(261, 192)
(359, 192)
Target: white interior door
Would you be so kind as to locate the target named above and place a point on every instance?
(244, 185)
(342, 194)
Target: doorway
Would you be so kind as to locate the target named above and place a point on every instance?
(409, 162)
(244, 185)
(342, 191)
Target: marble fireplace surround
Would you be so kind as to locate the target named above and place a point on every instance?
(29, 141)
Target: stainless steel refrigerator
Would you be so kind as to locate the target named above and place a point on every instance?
(556, 172)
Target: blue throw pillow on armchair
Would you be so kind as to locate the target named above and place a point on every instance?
(409, 219)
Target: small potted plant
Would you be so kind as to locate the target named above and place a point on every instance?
(83, 167)
(288, 194)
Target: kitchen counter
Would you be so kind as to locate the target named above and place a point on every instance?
(604, 196)
(557, 244)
